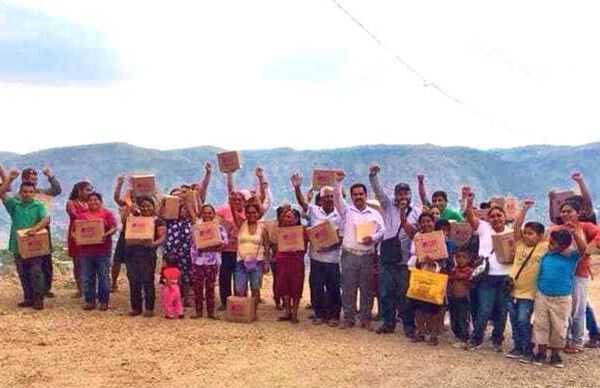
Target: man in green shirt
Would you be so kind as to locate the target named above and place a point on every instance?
(26, 213)
(439, 199)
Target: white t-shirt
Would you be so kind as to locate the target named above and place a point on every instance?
(485, 232)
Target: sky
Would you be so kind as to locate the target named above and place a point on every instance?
(302, 74)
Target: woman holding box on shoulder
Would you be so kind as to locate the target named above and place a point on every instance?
(95, 258)
(253, 245)
(492, 290)
(140, 258)
(77, 203)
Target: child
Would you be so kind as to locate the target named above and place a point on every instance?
(171, 295)
(553, 300)
(458, 297)
(205, 267)
(529, 250)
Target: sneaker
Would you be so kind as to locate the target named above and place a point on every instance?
(318, 321)
(497, 348)
(515, 354)
(527, 358)
(460, 345)
(89, 306)
(148, 314)
(333, 323)
(347, 324)
(384, 329)
(556, 361)
(472, 347)
(134, 313)
(593, 343)
(50, 294)
(538, 359)
(25, 304)
(103, 307)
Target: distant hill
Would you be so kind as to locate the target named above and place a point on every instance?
(523, 172)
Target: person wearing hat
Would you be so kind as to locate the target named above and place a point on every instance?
(400, 220)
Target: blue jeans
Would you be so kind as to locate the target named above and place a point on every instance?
(520, 311)
(590, 322)
(389, 293)
(243, 276)
(492, 303)
(459, 317)
(96, 278)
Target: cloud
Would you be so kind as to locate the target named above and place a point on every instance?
(39, 49)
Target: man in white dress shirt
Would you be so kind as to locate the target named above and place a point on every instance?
(356, 260)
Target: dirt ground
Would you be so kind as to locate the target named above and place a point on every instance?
(64, 346)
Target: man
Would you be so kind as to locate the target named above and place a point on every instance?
(324, 279)
(31, 175)
(439, 199)
(356, 259)
(400, 220)
(26, 213)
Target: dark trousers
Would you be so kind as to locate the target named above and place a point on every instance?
(492, 303)
(140, 273)
(31, 277)
(47, 272)
(590, 322)
(407, 310)
(459, 317)
(325, 280)
(226, 271)
(390, 286)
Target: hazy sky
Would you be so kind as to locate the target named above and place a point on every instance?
(262, 74)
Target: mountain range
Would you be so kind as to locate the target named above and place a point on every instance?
(523, 172)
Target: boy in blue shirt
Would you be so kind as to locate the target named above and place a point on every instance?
(552, 306)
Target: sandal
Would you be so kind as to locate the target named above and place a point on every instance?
(572, 349)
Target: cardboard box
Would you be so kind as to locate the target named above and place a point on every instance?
(290, 239)
(45, 198)
(559, 198)
(228, 161)
(206, 234)
(240, 309)
(139, 230)
(33, 246)
(143, 185)
(171, 207)
(365, 230)
(432, 245)
(323, 178)
(323, 235)
(460, 232)
(88, 232)
(504, 246)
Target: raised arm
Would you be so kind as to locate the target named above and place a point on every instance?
(380, 194)
(203, 187)
(54, 190)
(422, 190)
(520, 219)
(117, 192)
(296, 180)
(260, 176)
(7, 182)
(588, 205)
(579, 238)
(190, 202)
(230, 186)
(470, 213)
(236, 217)
(3, 175)
(338, 199)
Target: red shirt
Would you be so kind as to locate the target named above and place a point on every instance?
(110, 222)
(171, 274)
(591, 232)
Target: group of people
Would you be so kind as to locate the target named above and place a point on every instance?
(548, 279)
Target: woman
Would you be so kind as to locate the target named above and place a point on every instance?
(493, 293)
(570, 213)
(140, 261)
(252, 261)
(178, 243)
(77, 203)
(95, 258)
(205, 267)
(290, 269)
